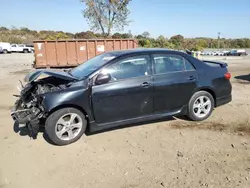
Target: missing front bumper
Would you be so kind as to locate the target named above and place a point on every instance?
(25, 115)
(28, 117)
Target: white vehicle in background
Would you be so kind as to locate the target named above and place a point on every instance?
(241, 52)
(214, 53)
(225, 52)
(5, 47)
(219, 53)
(211, 53)
(205, 53)
(25, 48)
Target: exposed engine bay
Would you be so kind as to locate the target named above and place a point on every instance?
(28, 108)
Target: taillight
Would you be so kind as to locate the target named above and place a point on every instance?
(227, 76)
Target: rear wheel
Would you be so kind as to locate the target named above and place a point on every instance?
(200, 106)
(65, 126)
(5, 51)
(25, 51)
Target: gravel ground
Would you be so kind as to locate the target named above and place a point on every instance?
(170, 153)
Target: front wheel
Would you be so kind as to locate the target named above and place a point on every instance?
(65, 126)
(200, 106)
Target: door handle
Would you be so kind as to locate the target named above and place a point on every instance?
(192, 78)
(145, 84)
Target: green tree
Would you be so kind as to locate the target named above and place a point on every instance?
(3, 29)
(177, 41)
(122, 35)
(202, 43)
(145, 34)
(144, 43)
(61, 35)
(106, 15)
(162, 42)
(85, 35)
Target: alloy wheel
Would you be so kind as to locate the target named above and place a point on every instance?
(202, 106)
(68, 126)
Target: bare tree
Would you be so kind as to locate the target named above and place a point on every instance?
(106, 15)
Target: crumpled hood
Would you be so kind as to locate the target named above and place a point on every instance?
(35, 74)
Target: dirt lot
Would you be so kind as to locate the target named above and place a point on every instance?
(172, 153)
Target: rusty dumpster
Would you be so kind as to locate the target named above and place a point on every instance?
(70, 53)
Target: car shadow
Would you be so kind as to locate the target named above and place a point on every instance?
(24, 131)
(130, 125)
(46, 138)
(185, 118)
(243, 77)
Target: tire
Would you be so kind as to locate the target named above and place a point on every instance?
(5, 51)
(198, 111)
(58, 127)
(25, 51)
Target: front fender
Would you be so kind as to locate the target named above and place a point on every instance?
(76, 96)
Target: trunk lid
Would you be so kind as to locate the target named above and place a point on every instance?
(215, 63)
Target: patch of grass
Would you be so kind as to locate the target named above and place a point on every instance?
(25, 71)
(5, 87)
(243, 128)
(243, 82)
(4, 107)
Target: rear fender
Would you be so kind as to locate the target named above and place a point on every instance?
(209, 90)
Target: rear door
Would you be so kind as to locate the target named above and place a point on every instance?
(20, 47)
(175, 80)
(128, 95)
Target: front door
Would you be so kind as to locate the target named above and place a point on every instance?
(128, 95)
(14, 47)
(175, 80)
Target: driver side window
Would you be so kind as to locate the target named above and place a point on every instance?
(131, 67)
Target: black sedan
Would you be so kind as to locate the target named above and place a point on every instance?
(118, 88)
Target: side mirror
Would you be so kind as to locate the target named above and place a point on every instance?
(103, 78)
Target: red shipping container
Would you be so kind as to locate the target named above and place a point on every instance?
(70, 53)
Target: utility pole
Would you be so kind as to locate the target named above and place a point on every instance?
(218, 40)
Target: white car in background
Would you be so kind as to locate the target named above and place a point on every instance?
(25, 48)
(225, 52)
(219, 53)
(5, 47)
(209, 53)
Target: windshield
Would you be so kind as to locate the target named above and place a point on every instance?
(91, 65)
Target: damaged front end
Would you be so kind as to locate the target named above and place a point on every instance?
(28, 108)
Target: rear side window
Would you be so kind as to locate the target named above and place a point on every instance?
(166, 63)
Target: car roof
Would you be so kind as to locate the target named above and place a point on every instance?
(140, 50)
